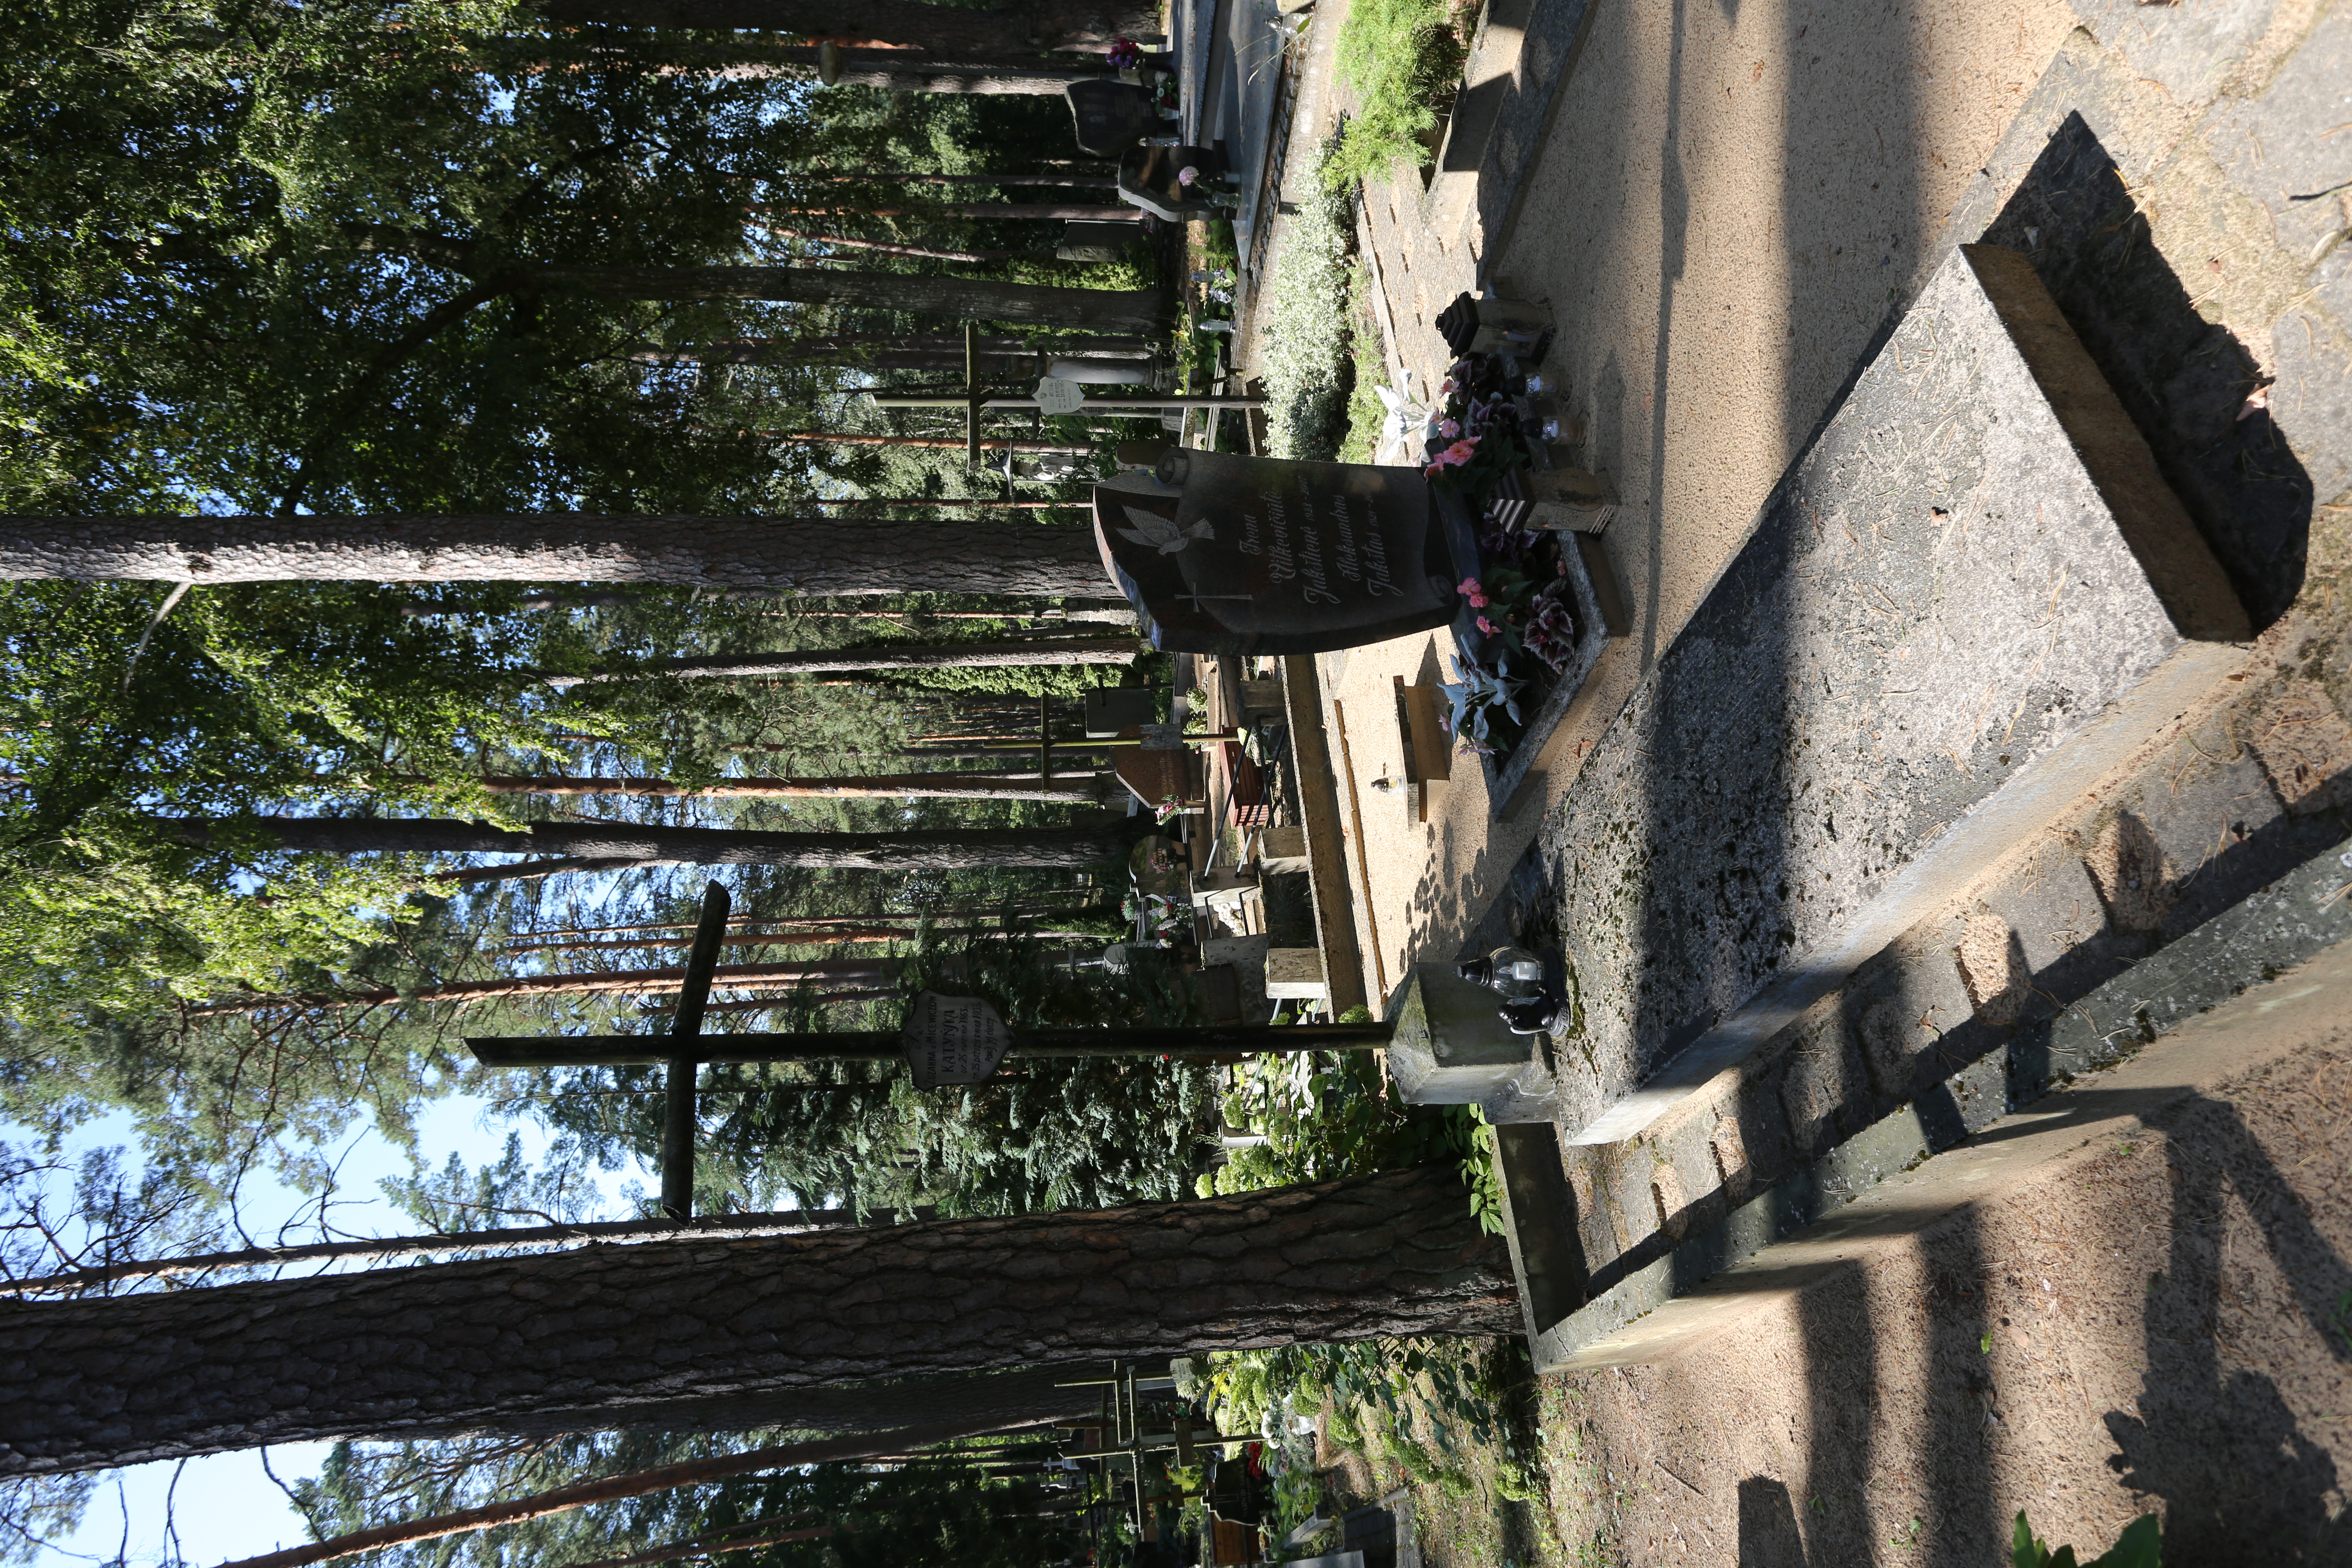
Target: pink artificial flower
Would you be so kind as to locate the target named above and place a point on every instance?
(1445, 386)
(1187, 174)
(1469, 585)
(1434, 469)
(1479, 601)
(1462, 451)
(1448, 428)
(1485, 626)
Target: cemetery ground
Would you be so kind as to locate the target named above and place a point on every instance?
(1727, 208)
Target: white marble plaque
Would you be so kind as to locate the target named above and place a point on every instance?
(953, 1040)
(1058, 397)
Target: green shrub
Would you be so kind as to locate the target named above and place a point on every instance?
(2140, 1546)
(1399, 55)
(1305, 351)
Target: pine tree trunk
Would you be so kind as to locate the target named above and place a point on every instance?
(1076, 787)
(892, 248)
(1025, 444)
(697, 1333)
(635, 844)
(999, 212)
(818, 555)
(1096, 310)
(1013, 33)
(1001, 653)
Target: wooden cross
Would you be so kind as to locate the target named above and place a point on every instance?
(686, 1025)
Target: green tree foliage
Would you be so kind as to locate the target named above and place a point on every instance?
(217, 210)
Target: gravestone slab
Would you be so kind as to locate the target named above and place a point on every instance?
(1229, 554)
(1152, 178)
(1110, 709)
(1969, 598)
(1111, 116)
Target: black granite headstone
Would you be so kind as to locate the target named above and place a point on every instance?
(1230, 554)
(1147, 178)
(1097, 242)
(1113, 116)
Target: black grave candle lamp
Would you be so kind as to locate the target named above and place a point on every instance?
(1531, 985)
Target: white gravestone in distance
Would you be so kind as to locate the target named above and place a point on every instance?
(953, 1040)
(1058, 397)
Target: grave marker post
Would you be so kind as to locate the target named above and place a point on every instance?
(685, 1024)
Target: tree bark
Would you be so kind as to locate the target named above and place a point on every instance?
(726, 976)
(779, 1222)
(1078, 786)
(1060, 212)
(893, 177)
(854, 346)
(818, 555)
(635, 844)
(691, 1332)
(1098, 310)
(892, 248)
(1020, 443)
(994, 653)
(1114, 309)
(1009, 34)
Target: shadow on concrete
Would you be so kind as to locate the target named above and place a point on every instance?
(2183, 380)
(2218, 1451)
(2238, 1479)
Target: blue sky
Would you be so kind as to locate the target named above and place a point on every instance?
(226, 1506)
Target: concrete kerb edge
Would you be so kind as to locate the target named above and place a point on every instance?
(1914, 1167)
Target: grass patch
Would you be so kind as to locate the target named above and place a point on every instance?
(1402, 58)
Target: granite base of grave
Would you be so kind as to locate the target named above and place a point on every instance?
(1971, 598)
(1450, 1047)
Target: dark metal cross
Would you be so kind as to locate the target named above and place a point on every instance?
(685, 1024)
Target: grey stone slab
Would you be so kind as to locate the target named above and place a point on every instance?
(1684, 1149)
(2051, 904)
(2299, 927)
(2193, 49)
(2288, 922)
(1970, 597)
(2311, 399)
(2274, 146)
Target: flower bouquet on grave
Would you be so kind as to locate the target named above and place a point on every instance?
(1474, 438)
(1480, 697)
(1518, 614)
(1155, 914)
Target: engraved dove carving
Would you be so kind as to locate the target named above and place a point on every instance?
(1159, 532)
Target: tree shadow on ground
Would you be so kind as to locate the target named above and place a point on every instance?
(2217, 1448)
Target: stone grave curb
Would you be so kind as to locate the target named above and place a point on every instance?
(2287, 933)
(1551, 38)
